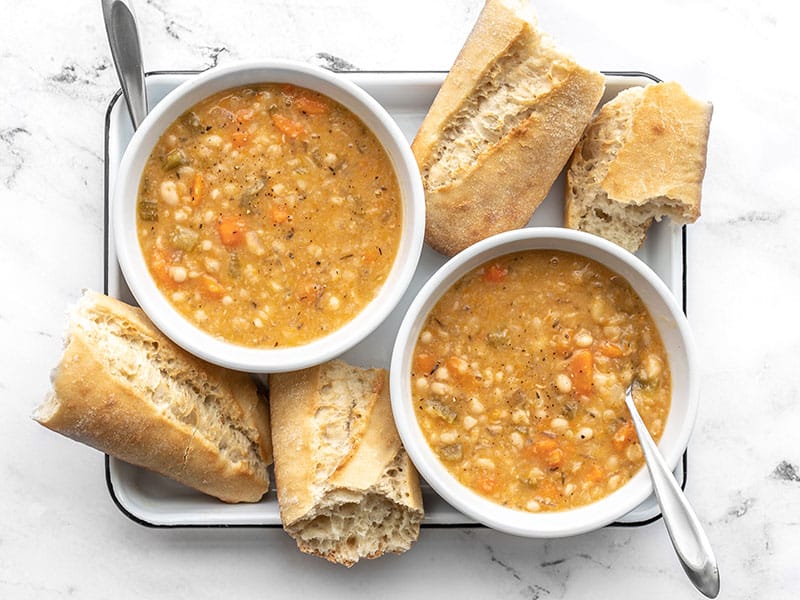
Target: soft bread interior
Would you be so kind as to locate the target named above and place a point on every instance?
(45, 411)
(590, 209)
(173, 387)
(352, 524)
(507, 95)
(339, 424)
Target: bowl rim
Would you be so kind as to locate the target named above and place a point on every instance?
(155, 304)
(551, 524)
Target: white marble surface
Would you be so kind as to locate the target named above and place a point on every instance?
(60, 533)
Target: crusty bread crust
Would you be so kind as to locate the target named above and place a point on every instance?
(123, 388)
(346, 487)
(643, 157)
(501, 128)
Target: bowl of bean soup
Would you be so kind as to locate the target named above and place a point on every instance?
(509, 373)
(268, 215)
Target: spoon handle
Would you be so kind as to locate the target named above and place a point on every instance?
(685, 531)
(123, 37)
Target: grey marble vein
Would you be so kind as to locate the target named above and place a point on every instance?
(11, 148)
(786, 471)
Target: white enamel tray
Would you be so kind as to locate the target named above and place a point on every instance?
(152, 500)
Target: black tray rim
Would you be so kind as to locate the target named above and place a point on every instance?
(106, 213)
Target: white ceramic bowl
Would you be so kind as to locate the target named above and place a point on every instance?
(132, 260)
(675, 333)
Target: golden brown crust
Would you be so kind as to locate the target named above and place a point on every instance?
(510, 182)
(494, 185)
(292, 399)
(98, 399)
(664, 155)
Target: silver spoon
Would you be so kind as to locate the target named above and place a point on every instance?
(123, 37)
(688, 538)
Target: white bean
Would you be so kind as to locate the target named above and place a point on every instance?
(213, 140)
(533, 506)
(169, 192)
(475, 406)
(634, 452)
(439, 388)
(178, 274)
(449, 437)
(563, 383)
(584, 339)
(559, 424)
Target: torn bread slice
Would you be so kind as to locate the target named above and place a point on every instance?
(346, 487)
(123, 388)
(642, 158)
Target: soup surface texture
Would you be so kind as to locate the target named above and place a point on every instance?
(269, 215)
(519, 375)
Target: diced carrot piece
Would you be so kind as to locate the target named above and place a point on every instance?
(594, 473)
(231, 231)
(581, 367)
(279, 214)
(540, 448)
(239, 139)
(424, 363)
(495, 273)
(545, 445)
(159, 267)
(310, 106)
(623, 436)
(198, 187)
(611, 350)
(210, 287)
(288, 126)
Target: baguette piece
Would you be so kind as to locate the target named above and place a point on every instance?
(123, 388)
(642, 158)
(346, 487)
(501, 128)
